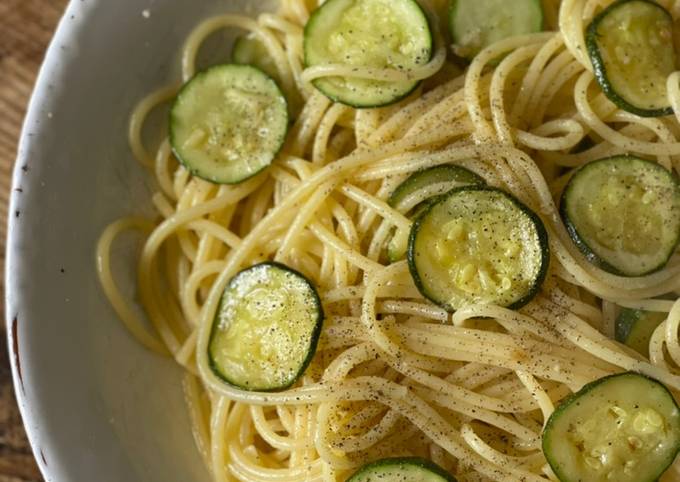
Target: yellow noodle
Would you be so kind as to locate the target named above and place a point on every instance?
(393, 373)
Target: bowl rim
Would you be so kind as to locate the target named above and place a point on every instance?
(52, 65)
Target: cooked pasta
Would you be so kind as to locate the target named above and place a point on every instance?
(394, 374)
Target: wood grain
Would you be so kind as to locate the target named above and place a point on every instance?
(26, 27)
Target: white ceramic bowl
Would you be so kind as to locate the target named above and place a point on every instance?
(97, 407)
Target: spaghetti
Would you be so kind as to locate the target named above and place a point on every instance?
(393, 373)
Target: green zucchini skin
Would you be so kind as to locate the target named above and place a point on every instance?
(175, 119)
(541, 233)
(420, 464)
(634, 328)
(359, 102)
(313, 342)
(600, 69)
(574, 400)
(578, 239)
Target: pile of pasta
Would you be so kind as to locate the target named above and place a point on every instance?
(395, 374)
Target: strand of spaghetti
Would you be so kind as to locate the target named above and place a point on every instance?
(474, 74)
(673, 88)
(265, 430)
(323, 441)
(533, 75)
(399, 122)
(342, 249)
(672, 323)
(306, 125)
(221, 427)
(471, 375)
(139, 115)
(183, 355)
(297, 9)
(647, 305)
(192, 285)
(556, 78)
(497, 89)
(512, 348)
(497, 458)
(377, 74)
(413, 308)
(103, 252)
(304, 216)
(540, 137)
(506, 318)
(449, 115)
(450, 350)
(501, 422)
(612, 136)
(323, 133)
(200, 428)
(656, 347)
(568, 326)
(246, 468)
(538, 393)
(276, 22)
(572, 28)
(161, 166)
(378, 206)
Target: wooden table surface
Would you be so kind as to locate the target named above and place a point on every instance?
(26, 27)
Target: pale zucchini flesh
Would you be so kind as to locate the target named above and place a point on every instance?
(266, 328)
(413, 195)
(623, 428)
(406, 469)
(631, 47)
(392, 34)
(476, 24)
(228, 123)
(478, 245)
(624, 214)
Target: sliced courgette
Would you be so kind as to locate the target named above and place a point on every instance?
(478, 244)
(411, 469)
(228, 123)
(476, 24)
(391, 34)
(414, 194)
(266, 328)
(249, 50)
(624, 214)
(623, 428)
(635, 328)
(631, 47)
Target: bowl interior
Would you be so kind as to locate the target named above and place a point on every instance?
(96, 405)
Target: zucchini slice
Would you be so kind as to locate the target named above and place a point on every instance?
(478, 244)
(266, 329)
(413, 195)
(635, 328)
(228, 123)
(624, 214)
(248, 50)
(476, 24)
(631, 46)
(623, 428)
(367, 33)
(411, 469)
